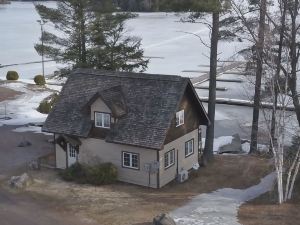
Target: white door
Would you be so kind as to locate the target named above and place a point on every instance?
(72, 155)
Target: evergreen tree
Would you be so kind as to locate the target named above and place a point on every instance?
(88, 33)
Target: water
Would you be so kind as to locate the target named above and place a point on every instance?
(172, 47)
(19, 31)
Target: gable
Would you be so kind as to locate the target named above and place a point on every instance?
(99, 106)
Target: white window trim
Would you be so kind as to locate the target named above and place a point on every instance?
(186, 144)
(102, 114)
(169, 153)
(130, 158)
(180, 115)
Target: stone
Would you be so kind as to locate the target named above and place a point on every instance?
(20, 182)
(24, 144)
(163, 219)
(34, 165)
(235, 147)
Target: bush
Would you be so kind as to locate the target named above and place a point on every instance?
(105, 173)
(47, 104)
(12, 75)
(39, 80)
(99, 174)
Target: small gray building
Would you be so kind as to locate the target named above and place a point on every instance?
(147, 125)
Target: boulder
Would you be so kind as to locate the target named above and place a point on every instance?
(24, 143)
(20, 182)
(235, 147)
(163, 219)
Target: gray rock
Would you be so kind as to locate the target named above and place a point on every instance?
(20, 182)
(163, 219)
(235, 147)
(34, 165)
(24, 144)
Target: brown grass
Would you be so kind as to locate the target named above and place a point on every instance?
(129, 204)
(7, 94)
(264, 210)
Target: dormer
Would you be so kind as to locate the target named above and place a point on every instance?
(106, 107)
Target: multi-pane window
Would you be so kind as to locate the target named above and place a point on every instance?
(189, 147)
(130, 160)
(72, 151)
(179, 118)
(169, 158)
(102, 120)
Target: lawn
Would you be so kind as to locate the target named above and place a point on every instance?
(122, 204)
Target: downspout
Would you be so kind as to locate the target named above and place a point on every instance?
(157, 175)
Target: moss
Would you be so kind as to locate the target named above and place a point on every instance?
(39, 80)
(12, 75)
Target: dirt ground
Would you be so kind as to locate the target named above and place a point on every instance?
(7, 93)
(265, 211)
(124, 204)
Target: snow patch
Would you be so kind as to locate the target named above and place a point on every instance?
(34, 129)
(221, 206)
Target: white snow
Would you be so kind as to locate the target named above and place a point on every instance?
(220, 207)
(22, 110)
(219, 142)
(34, 129)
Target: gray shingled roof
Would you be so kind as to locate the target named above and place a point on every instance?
(151, 102)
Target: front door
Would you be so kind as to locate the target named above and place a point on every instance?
(72, 155)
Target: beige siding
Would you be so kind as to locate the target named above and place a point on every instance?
(60, 157)
(99, 106)
(167, 175)
(97, 150)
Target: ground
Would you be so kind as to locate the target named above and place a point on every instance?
(130, 204)
(264, 210)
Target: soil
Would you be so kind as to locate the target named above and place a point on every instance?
(125, 204)
(7, 94)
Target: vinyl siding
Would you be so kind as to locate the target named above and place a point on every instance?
(184, 163)
(60, 157)
(97, 150)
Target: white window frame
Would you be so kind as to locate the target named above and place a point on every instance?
(180, 118)
(102, 115)
(187, 150)
(169, 159)
(131, 154)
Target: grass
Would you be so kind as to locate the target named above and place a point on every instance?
(265, 210)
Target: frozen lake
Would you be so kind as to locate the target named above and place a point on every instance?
(164, 38)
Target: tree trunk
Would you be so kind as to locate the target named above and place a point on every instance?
(294, 60)
(278, 69)
(209, 141)
(259, 72)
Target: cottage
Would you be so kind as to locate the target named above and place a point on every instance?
(147, 125)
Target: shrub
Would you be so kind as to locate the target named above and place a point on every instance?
(39, 80)
(99, 174)
(47, 104)
(12, 75)
(105, 173)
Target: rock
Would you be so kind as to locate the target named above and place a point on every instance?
(163, 219)
(20, 182)
(34, 165)
(235, 147)
(24, 144)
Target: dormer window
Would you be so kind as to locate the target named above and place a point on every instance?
(179, 118)
(102, 120)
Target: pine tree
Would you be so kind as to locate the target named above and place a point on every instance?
(89, 33)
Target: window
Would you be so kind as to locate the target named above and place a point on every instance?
(189, 148)
(72, 151)
(102, 120)
(130, 160)
(179, 118)
(169, 158)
